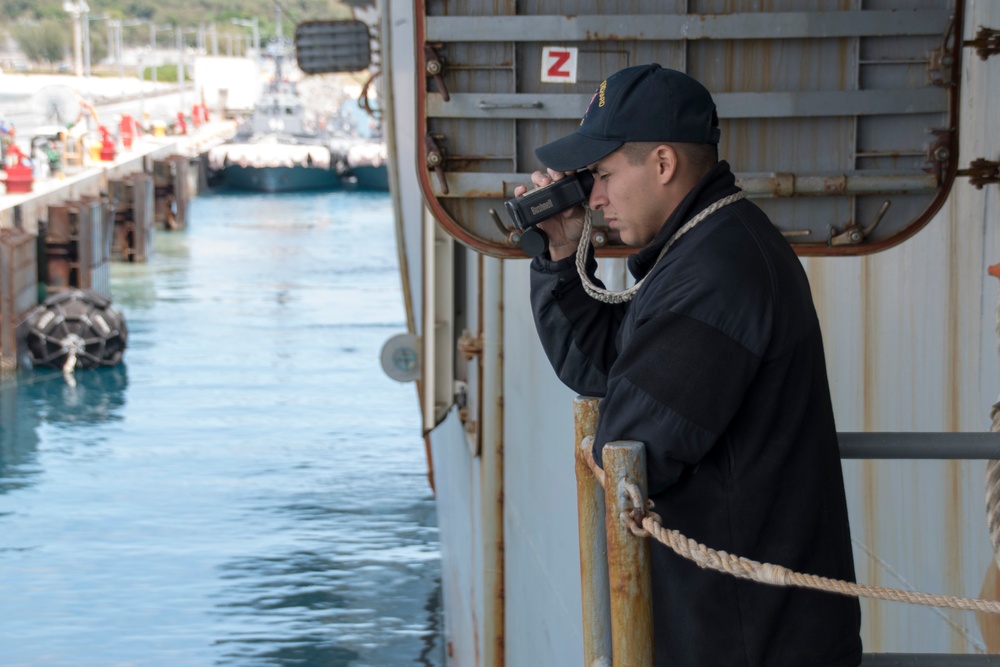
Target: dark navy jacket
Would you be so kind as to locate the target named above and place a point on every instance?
(717, 366)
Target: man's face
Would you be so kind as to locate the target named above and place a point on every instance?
(629, 196)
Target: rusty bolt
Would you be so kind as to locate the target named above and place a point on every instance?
(942, 154)
(470, 346)
(599, 239)
(434, 68)
(433, 158)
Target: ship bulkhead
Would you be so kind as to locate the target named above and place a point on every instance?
(828, 111)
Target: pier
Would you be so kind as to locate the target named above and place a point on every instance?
(60, 231)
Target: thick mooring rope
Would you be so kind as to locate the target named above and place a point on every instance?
(993, 467)
(993, 490)
(644, 523)
(609, 296)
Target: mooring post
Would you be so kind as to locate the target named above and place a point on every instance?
(628, 557)
(593, 542)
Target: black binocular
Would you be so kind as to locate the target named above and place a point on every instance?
(541, 204)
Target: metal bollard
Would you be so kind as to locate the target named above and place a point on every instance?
(628, 558)
(593, 543)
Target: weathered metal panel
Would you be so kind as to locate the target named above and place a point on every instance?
(92, 265)
(170, 179)
(143, 203)
(544, 618)
(829, 90)
(134, 212)
(18, 289)
(332, 47)
(911, 346)
(909, 332)
(456, 493)
(78, 245)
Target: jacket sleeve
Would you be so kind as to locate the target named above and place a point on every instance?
(683, 374)
(578, 333)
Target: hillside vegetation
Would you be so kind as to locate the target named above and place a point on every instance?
(43, 29)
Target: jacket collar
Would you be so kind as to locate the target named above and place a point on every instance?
(719, 182)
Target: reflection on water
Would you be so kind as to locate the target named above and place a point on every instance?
(32, 398)
(249, 489)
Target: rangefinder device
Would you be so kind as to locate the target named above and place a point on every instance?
(541, 204)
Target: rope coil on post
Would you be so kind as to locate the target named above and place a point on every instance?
(649, 524)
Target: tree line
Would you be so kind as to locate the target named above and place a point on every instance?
(43, 30)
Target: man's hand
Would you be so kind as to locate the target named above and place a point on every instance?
(565, 229)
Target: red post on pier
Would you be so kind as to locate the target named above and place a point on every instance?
(20, 176)
(127, 130)
(107, 144)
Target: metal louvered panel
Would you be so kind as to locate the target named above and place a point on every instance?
(826, 114)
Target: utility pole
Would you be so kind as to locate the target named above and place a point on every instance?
(180, 59)
(152, 52)
(180, 63)
(78, 10)
(256, 34)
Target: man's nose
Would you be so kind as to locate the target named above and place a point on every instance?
(597, 197)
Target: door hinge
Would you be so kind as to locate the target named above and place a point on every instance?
(981, 172)
(986, 43)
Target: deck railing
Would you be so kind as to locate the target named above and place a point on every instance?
(615, 574)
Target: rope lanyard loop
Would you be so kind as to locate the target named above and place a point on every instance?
(609, 296)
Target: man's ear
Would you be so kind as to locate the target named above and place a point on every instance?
(666, 163)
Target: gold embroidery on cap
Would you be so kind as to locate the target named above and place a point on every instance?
(600, 93)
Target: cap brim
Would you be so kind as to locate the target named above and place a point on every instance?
(575, 151)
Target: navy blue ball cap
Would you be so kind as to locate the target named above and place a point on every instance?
(642, 103)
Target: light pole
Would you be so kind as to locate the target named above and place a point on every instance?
(78, 10)
(142, 69)
(152, 47)
(86, 41)
(115, 39)
(180, 58)
(256, 34)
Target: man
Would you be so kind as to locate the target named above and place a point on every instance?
(716, 365)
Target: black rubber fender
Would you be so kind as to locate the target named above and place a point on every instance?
(78, 322)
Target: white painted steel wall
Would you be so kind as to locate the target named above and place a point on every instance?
(398, 97)
(910, 347)
(544, 619)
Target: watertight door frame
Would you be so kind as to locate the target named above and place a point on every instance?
(826, 115)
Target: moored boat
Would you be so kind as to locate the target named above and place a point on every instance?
(271, 165)
(276, 150)
(366, 166)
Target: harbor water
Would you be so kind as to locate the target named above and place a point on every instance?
(248, 488)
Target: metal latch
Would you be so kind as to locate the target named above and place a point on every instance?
(986, 43)
(434, 157)
(941, 64)
(434, 68)
(981, 172)
(854, 234)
